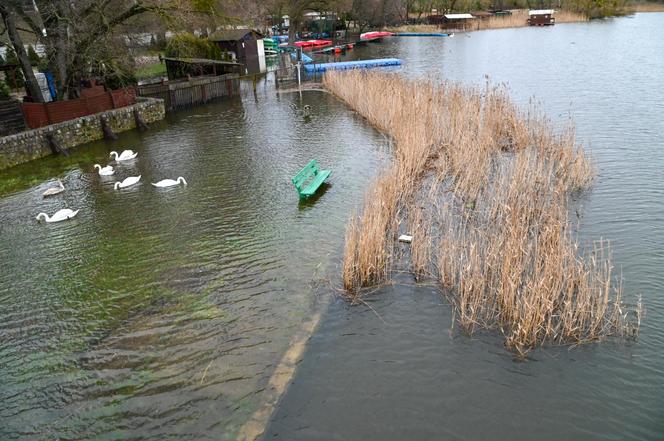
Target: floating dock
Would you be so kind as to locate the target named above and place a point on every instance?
(420, 34)
(359, 64)
(305, 58)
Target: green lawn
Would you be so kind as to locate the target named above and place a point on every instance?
(151, 71)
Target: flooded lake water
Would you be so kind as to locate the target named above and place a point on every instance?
(399, 371)
(161, 314)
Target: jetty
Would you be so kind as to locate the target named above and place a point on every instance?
(421, 34)
(359, 64)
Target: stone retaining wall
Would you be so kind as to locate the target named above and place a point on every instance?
(32, 144)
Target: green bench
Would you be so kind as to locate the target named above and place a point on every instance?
(307, 180)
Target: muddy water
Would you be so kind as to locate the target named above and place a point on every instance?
(399, 370)
(161, 313)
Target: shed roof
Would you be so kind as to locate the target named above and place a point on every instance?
(201, 61)
(457, 16)
(541, 11)
(232, 34)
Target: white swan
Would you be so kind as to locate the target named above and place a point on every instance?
(131, 180)
(169, 182)
(59, 215)
(105, 171)
(125, 155)
(54, 190)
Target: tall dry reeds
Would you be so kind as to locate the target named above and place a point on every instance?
(517, 19)
(485, 190)
(520, 18)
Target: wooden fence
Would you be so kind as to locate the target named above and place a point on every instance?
(196, 91)
(39, 115)
(11, 118)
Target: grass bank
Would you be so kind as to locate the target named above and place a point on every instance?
(485, 189)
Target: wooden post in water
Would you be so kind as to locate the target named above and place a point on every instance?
(55, 145)
(106, 128)
(140, 122)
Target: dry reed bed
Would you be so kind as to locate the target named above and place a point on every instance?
(516, 20)
(485, 189)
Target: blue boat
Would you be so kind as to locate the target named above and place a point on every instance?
(421, 34)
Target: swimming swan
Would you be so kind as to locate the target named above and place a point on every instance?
(59, 215)
(104, 171)
(54, 190)
(169, 182)
(125, 155)
(131, 180)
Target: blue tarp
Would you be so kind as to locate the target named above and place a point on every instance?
(305, 58)
(359, 64)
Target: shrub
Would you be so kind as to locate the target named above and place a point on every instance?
(34, 58)
(4, 91)
(14, 81)
(191, 46)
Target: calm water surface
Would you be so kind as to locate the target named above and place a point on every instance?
(161, 313)
(400, 371)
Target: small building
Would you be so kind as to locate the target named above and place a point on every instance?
(541, 17)
(178, 68)
(245, 44)
(458, 21)
(482, 15)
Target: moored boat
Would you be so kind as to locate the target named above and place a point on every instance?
(375, 35)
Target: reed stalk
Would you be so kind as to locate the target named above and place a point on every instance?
(485, 190)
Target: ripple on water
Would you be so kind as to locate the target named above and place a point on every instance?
(160, 313)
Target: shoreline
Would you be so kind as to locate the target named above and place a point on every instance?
(518, 20)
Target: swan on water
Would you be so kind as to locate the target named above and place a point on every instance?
(125, 155)
(105, 171)
(54, 190)
(59, 215)
(131, 180)
(169, 182)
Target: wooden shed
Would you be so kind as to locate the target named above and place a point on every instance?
(541, 17)
(458, 21)
(178, 68)
(243, 43)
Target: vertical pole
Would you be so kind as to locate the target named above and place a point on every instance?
(299, 79)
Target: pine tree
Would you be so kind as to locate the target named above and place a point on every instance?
(33, 56)
(16, 80)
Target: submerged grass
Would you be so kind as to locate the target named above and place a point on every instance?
(485, 189)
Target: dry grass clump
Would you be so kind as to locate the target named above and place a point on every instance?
(646, 7)
(485, 190)
(520, 18)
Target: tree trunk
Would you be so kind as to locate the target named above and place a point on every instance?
(31, 85)
(292, 29)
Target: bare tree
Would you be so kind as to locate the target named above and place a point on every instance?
(81, 36)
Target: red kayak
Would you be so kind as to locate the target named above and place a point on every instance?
(368, 36)
(312, 43)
